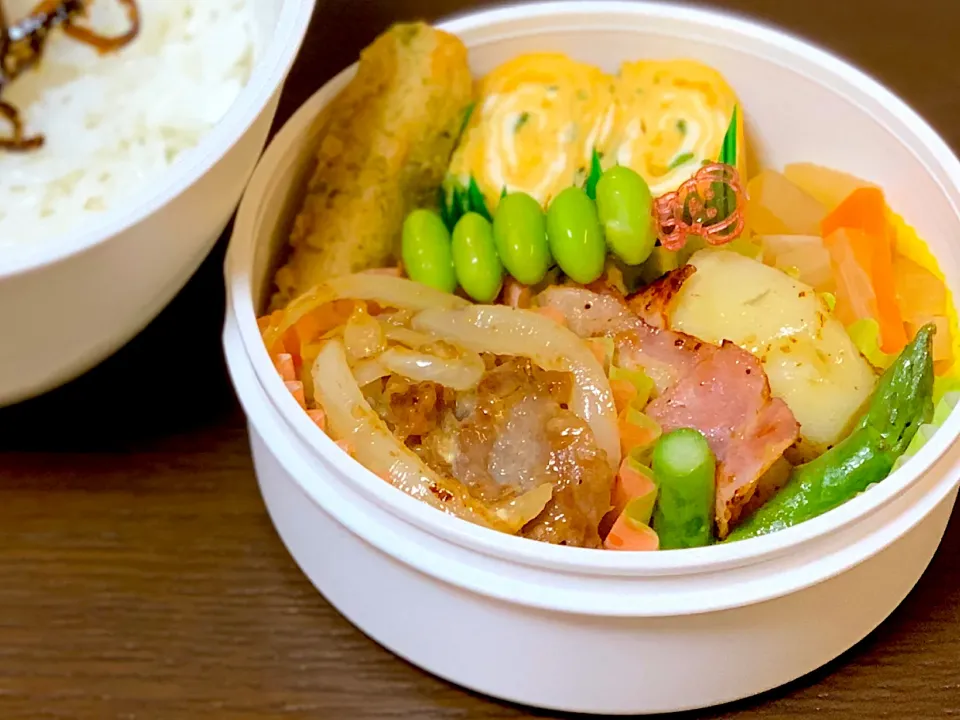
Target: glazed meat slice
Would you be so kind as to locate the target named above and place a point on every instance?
(512, 434)
(519, 435)
(721, 391)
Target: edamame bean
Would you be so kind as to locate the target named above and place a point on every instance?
(520, 235)
(684, 468)
(576, 238)
(475, 258)
(425, 249)
(624, 205)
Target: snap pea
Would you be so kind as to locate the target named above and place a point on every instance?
(575, 235)
(475, 258)
(425, 250)
(902, 402)
(685, 469)
(624, 205)
(520, 235)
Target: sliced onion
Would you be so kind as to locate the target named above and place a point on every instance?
(406, 336)
(504, 330)
(350, 418)
(367, 371)
(463, 373)
(384, 290)
(362, 336)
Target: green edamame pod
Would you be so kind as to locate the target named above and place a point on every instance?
(425, 250)
(902, 402)
(475, 258)
(685, 471)
(575, 235)
(520, 234)
(624, 205)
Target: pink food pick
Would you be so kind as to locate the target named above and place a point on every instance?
(690, 210)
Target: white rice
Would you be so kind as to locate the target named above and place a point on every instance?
(113, 123)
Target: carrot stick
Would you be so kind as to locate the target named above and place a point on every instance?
(628, 534)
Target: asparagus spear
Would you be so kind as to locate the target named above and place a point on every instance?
(684, 468)
(902, 402)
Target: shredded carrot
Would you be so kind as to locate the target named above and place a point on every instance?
(630, 387)
(346, 446)
(624, 392)
(283, 362)
(863, 209)
(891, 320)
(860, 240)
(265, 323)
(319, 418)
(296, 389)
(626, 534)
(324, 318)
(865, 287)
(637, 431)
(633, 481)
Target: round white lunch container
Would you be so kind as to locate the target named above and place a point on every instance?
(67, 304)
(587, 630)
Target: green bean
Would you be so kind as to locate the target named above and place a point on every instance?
(576, 239)
(685, 469)
(520, 234)
(475, 258)
(624, 204)
(425, 250)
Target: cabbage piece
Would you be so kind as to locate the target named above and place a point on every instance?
(865, 334)
(943, 409)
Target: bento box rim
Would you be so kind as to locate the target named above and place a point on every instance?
(598, 15)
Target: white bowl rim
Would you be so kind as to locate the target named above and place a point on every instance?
(268, 74)
(570, 559)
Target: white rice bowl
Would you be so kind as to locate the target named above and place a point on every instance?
(114, 122)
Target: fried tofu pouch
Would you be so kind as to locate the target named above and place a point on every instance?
(386, 140)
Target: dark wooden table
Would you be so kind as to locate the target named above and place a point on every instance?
(140, 576)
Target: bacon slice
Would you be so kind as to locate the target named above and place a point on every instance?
(721, 391)
(727, 398)
(652, 304)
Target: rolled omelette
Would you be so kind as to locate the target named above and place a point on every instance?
(537, 120)
(672, 118)
(385, 144)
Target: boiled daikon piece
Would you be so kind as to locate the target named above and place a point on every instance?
(811, 362)
(778, 207)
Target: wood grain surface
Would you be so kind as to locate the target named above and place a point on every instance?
(140, 576)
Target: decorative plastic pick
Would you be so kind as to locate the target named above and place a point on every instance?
(710, 205)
